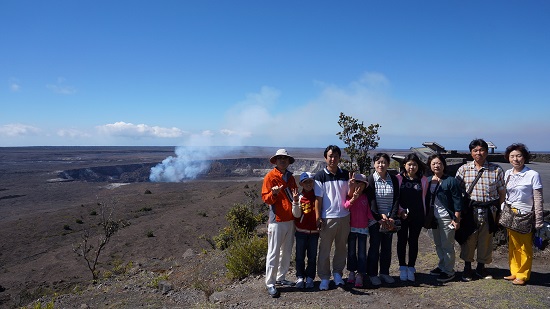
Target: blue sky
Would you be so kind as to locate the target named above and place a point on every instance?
(273, 73)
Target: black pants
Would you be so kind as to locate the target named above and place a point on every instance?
(408, 234)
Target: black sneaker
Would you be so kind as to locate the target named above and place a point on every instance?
(436, 271)
(444, 277)
(467, 275)
(483, 274)
(285, 283)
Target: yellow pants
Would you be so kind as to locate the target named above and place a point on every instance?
(520, 254)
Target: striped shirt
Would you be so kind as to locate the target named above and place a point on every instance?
(487, 187)
(384, 193)
(333, 188)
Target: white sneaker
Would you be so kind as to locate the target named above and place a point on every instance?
(410, 273)
(403, 273)
(338, 279)
(309, 283)
(300, 283)
(375, 280)
(324, 284)
(387, 278)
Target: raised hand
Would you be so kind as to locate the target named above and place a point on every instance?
(295, 194)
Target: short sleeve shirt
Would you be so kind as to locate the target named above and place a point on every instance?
(488, 186)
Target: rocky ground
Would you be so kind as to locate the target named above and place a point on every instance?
(163, 259)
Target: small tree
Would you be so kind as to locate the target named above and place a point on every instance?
(108, 228)
(359, 140)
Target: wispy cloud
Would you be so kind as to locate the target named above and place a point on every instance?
(61, 88)
(72, 133)
(14, 85)
(18, 129)
(124, 129)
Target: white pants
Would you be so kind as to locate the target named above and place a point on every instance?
(280, 241)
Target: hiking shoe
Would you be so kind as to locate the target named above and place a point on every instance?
(338, 279)
(410, 273)
(309, 283)
(284, 283)
(359, 281)
(351, 277)
(324, 284)
(387, 278)
(444, 277)
(483, 274)
(403, 273)
(300, 283)
(467, 275)
(436, 271)
(273, 292)
(375, 280)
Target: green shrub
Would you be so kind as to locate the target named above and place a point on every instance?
(226, 237)
(241, 217)
(155, 281)
(242, 222)
(246, 256)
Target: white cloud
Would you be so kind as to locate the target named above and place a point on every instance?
(14, 85)
(17, 129)
(61, 88)
(207, 133)
(72, 133)
(124, 129)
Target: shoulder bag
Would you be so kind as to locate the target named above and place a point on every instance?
(467, 223)
(511, 219)
(430, 221)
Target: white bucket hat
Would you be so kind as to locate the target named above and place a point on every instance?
(281, 152)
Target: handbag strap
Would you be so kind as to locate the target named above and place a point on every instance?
(432, 202)
(506, 184)
(471, 188)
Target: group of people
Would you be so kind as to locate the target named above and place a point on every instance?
(338, 211)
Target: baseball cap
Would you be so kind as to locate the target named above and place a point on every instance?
(305, 176)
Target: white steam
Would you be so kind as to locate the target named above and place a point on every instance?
(188, 163)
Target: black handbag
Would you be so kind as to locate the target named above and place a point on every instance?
(430, 221)
(467, 223)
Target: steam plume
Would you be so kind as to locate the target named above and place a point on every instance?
(188, 163)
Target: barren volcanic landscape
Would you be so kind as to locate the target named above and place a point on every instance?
(163, 257)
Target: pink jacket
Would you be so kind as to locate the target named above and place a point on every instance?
(359, 212)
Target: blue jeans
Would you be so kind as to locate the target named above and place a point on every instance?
(306, 244)
(357, 252)
(379, 251)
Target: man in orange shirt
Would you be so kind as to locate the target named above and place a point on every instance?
(278, 191)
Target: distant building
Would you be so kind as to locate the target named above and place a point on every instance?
(492, 147)
(435, 147)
